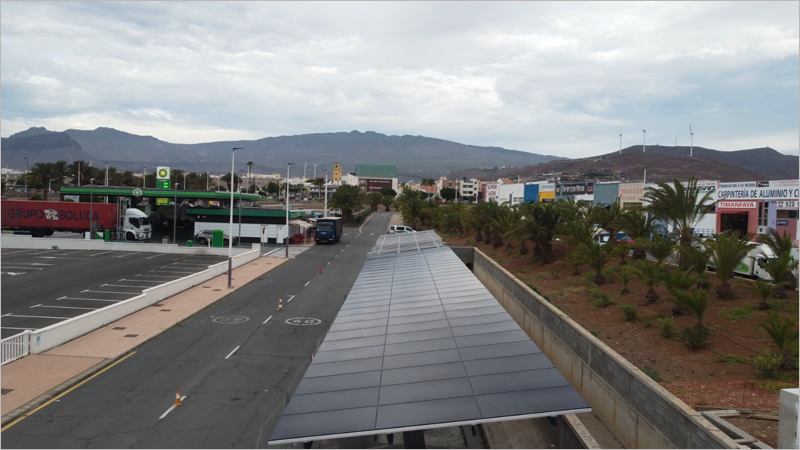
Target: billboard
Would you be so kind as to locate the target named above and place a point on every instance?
(752, 190)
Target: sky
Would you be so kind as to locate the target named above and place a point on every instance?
(559, 78)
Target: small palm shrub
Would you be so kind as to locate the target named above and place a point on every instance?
(628, 312)
(666, 327)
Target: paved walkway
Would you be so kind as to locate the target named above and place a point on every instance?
(34, 379)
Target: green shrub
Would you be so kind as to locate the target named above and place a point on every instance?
(767, 364)
(666, 327)
(652, 372)
(695, 337)
(601, 299)
(36, 197)
(628, 312)
(738, 313)
(732, 360)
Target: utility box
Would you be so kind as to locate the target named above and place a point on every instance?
(787, 425)
(107, 235)
(190, 243)
(217, 239)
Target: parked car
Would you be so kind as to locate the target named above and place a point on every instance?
(336, 212)
(396, 229)
(204, 237)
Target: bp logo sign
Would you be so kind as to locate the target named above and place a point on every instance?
(163, 173)
(137, 192)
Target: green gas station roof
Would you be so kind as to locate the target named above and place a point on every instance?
(152, 192)
(247, 212)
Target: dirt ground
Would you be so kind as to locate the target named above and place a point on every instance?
(732, 343)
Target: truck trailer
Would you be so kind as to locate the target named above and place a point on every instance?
(329, 229)
(40, 218)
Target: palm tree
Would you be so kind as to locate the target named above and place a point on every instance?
(780, 245)
(374, 198)
(698, 260)
(501, 225)
(781, 329)
(696, 301)
(249, 174)
(596, 256)
(660, 248)
(348, 198)
(578, 231)
(624, 274)
(681, 205)
(43, 173)
(651, 275)
(781, 270)
(638, 226)
(453, 217)
(727, 251)
(761, 288)
(608, 218)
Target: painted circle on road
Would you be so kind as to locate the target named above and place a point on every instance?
(303, 321)
(230, 320)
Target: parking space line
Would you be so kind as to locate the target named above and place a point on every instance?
(26, 268)
(111, 292)
(46, 251)
(41, 317)
(15, 328)
(143, 281)
(72, 253)
(172, 271)
(6, 315)
(155, 256)
(88, 299)
(127, 254)
(234, 351)
(101, 253)
(13, 253)
(154, 276)
(122, 285)
(61, 257)
(61, 307)
(30, 264)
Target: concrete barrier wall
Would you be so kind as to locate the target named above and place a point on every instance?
(639, 412)
(10, 241)
(46, 338)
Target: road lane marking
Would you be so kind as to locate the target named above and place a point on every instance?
(26, 268)
(234, 351)
(61, 257)
(101, 253)
(12, 253)
(41, 317)
(31, 264)
(122, 256)
(329, 263)
(34, 306)
(6, 315)
(154, 276)
(171, 408)
(34, 411)
(155, 256)
(170, 271)
(270, 317)
(15, 328)
(121, 285)
(143, 281)
(307, 282)
(291, 297)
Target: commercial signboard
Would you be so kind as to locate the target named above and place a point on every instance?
(375, 185)
(631, 192)
(750, 190)
(787, 204)
(736, 205)
(571, 189)
(547, 187)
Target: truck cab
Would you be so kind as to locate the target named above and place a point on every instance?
(136, 225)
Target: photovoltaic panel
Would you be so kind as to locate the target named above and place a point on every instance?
(420, 343)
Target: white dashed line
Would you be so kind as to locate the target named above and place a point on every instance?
(171, 408)
(291, 297)
(41, 317)
(307, 283)
(270, 317)
(61, 307)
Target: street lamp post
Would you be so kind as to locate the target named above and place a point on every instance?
(240, 214)
(644, 181)
(91, 203)
(286, 238)
(230, 229)
(326, 194)
(175, 216)
(208, 176)
(27, 192)
(144, 170)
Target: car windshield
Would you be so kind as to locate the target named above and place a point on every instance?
(145, 221)
(325, 226)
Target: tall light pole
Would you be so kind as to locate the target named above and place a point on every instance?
(286, 238)
(27, 192)
(240, 214)
(230, 229)
(315, 175)
(184, 181)
(175, 215)
(208, 176)
(91, 203)
(644, 181)
(144, 170)
(326, 194)
(106, 174)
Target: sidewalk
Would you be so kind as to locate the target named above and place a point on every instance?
(35, 379)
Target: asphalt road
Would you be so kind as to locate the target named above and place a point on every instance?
(44, 287)
(235, 374)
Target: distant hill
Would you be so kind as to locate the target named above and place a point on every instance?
(40, 145)
(662, 166)
(414, 156)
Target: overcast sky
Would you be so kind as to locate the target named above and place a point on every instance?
(556, 78)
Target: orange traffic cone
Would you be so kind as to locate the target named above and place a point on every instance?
(280, 304)
(178, 398)
(320, 271)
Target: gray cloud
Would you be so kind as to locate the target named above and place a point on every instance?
(547, 77)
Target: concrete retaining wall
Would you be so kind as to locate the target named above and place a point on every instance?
(639, 412)
(10, 241)
(46, 338)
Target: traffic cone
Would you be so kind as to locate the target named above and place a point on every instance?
(320, 271)
(280, 304)
(178, 398)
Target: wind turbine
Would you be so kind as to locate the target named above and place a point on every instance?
(644, 142)
(691, 140)
(620, 141)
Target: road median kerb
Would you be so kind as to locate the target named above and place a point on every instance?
(36, 392)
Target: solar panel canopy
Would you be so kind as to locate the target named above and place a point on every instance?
(420, 343)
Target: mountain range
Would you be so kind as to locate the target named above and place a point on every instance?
(415, 156)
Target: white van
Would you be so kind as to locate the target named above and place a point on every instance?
(396, 229)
